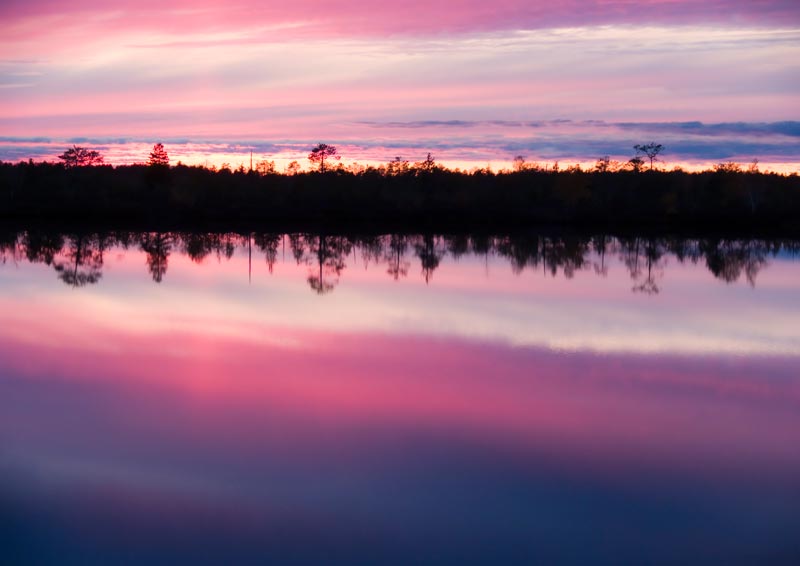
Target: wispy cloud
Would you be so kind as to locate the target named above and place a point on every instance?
(318, 18)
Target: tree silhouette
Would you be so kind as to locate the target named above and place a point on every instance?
(158, 157)
(603, 164)
(653, 253)
(265, 167)
(331, 252)
(82, 263)
(320, 153)
(728, 259)
(268, 243)
(521, 251)
(80, 157)
(197, 246)
(651, 150)
(600, 244)
(395, 256)
(42, 247)
(157, 247)
(428, 165)
(636, 164)
(398, 166)
(429, 256)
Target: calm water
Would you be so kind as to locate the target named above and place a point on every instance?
(250, 399)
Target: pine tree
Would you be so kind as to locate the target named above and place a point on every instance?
(159, 157)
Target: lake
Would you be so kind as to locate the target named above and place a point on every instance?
(179, 398)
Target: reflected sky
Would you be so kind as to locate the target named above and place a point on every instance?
(577, 293)
(446, 402)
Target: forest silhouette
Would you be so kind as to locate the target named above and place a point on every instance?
(398, 194)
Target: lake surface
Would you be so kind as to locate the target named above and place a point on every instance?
(170, 398)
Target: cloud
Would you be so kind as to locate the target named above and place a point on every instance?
(786, 128)
(318, 18)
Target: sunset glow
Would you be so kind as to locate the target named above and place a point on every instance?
(713, 81)
(429, 282)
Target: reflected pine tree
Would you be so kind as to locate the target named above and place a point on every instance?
(428, 254)
(395, 256)
(643, 259)
(331, 253)
(81, 262)
(372, 248)
(42, 247)
(268, 244)
(600, 245)
(567, 254)
(9, 246)
(157, 246)
(727, 260)
(197, 246)
(298, 246)
(457, 245)
(685, 250)
(653, 253)
(521, 252)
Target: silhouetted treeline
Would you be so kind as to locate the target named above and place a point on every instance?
(78, 259)
(395, 196)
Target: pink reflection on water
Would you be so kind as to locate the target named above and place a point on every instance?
(226, 410)
(701, 414)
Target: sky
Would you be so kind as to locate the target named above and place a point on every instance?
(475, 83)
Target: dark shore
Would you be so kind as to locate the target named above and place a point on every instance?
(146, 197)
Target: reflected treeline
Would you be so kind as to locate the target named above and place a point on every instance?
(78, 259)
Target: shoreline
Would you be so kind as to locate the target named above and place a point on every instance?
(181, 197)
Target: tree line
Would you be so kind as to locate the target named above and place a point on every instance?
(399, 193)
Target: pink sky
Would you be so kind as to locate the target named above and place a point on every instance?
(366, 75)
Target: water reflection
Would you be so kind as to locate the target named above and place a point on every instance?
(78, 258)
(178, 398)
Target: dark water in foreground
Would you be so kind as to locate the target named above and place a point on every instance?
(228, 399)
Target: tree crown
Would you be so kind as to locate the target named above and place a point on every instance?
(321, 152)
(80, 157)
(651, 150)
(159, 155)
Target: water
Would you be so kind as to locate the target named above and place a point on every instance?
(305, 399)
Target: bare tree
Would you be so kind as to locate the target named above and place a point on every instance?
(80, 157)
(651, 150)
(321, 152)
